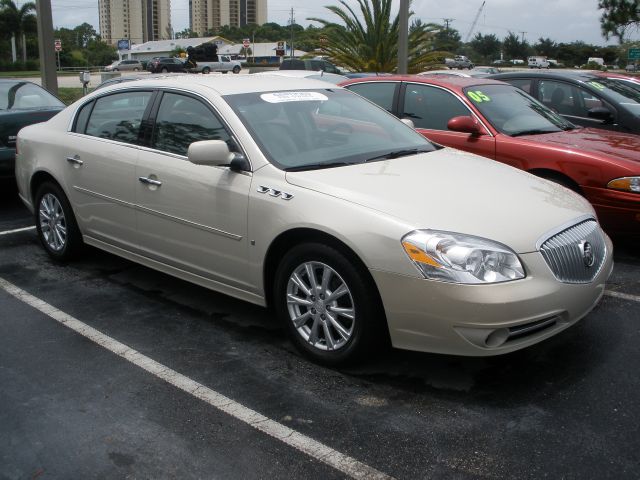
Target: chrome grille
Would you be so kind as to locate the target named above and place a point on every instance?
(566, 252)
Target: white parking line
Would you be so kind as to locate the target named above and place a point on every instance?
(347, 465)
(625, 296)
(25, 229)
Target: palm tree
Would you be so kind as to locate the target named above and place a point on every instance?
(17, 20)
(372, 44)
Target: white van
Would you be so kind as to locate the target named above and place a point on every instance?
(598, 60)
(538, 62)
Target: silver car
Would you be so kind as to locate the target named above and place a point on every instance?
(124, 65)
(303, 196)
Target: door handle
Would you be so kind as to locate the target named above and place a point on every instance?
(75, 160)
(150, 181)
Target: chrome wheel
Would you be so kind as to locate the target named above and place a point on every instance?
(320, 306)
(53, 224)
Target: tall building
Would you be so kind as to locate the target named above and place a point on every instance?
(205, 15)
(137, 20)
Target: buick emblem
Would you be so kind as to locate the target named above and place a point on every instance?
(587, 253)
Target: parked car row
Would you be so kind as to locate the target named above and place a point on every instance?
(502, 122)
(355, 228)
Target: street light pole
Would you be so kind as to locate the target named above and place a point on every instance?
(46, 46)
(403, 36)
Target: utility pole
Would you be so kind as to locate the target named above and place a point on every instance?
(46, 46)
(403, 34)
(447, 21)
(523, 37)
(292, 22)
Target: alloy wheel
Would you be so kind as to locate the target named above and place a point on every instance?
(53, 224)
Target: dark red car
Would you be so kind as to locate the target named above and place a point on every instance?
(500, 121)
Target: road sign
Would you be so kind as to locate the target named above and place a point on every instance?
(280, 49)
(124, 44)
(246, 42)
(634, 54)
(58, 45)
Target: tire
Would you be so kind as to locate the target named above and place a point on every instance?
(224, 71)
(321, 333)
(236, 69)
(206, 70)
(56, 224)
(136, 69)
(164, 70)
(115, 69)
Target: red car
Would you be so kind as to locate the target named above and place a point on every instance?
(502, 122)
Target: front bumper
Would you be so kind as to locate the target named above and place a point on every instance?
(618, 212)
(483, 320)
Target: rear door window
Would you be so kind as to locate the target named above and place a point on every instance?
(118, 116)
(380, 93)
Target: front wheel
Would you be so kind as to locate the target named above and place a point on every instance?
(206, 70)
(236, 69)
(331, 312)
(164, 70)
(55, 223)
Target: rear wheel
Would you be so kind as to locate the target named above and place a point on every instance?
(55, 223)
(330, 310)
(136, 69)
(164, 70)
(236, 69)
(206, 70)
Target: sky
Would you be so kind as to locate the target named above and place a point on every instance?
(560, 20)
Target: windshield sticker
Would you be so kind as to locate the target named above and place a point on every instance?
(478, 96)
(597, 85)
(280, 97)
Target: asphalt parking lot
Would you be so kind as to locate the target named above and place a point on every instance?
(111, 370)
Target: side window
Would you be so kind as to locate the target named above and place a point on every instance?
(380, 93)
(182, 120)
(568, 99)
(521, 83)
(118, 116)
(431, 107)
(82, 117)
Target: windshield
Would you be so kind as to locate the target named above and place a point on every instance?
(618, 92)
(513, 112)
(627, 83)
(320, 128)
(21, 95)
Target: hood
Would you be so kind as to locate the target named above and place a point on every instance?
(454, 191)
(602, 142)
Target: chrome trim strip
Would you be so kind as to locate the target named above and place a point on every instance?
(546, 236)
(189, 223)
(104, 197)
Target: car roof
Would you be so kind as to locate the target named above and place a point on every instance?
(225, 84)
(454, 83)
(579, 75)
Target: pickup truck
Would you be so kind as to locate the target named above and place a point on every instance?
(459, 61)
(224, 65)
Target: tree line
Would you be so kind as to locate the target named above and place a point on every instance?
(364, 41)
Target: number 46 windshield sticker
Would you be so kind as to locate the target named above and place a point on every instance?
(478, 96)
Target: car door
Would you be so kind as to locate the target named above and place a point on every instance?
(431, 107)
(101, 156)
(192, 217)
(574, 103)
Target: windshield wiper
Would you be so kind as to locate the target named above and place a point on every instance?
(316, 166)
(397, 154)
(531, 132)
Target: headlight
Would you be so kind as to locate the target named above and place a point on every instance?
(626, 184)
(457, 258)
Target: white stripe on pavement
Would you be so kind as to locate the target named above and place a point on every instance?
(25, 229)
(624, 296)
(349, 466)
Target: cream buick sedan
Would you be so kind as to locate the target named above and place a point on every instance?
(305, 197)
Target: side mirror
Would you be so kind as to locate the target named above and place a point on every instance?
(408, 122)
(210, 152)
(600, 113)
(465, 124)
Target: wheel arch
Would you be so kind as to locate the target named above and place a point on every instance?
(286, 240)
(559, 177)
(38, 179)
